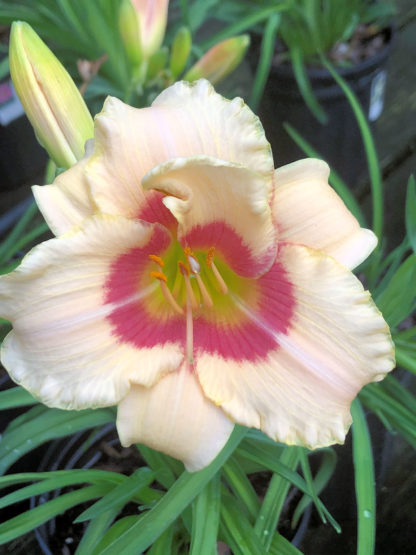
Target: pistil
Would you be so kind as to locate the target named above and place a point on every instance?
(188, 286)
(195, 269)
(189, 321)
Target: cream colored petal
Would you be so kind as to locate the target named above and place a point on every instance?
(174, 417)
(64, 347)
(66, 202)
(211, 200)
(300, 389)
(309, 212)
(185, 120)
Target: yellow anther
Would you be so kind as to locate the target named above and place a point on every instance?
(159, 276)
(188, 251)
(157, 259)
(166, 292)
(210, 256)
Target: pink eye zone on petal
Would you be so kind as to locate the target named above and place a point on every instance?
(229, 246)
(131, 320)
(154, 211)
(194, 298)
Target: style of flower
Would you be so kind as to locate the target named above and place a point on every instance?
(194, 286)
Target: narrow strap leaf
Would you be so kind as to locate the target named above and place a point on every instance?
(364, 481)
(145, 531)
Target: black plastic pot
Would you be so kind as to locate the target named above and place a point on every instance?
(339, 141)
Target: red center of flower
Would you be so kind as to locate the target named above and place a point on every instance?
(196, 300)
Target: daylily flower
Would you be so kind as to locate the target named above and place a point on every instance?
(194, 286)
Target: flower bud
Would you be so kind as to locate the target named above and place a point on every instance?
(142, 26)
(51, 100)
(130, 32)
(220, 60)
(181, 48)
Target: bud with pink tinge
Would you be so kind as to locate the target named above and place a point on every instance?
(220, 60)
(142, 26)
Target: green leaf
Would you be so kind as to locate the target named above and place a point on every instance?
(47, 424)
(4, 68)
(205, 518)
(120, 495)
(364, 481)
(54, 480)
(243, 24)
(397, 300)
(236, 528)
(269, 514)
(322, 477)
(28, 238)
(281, 546)
(305, 87)
(406, 355)
(306, 469)
(160, 464)
(266, 56)
(16, 397)
(269, 461)
(163, 544)
(241, 486)
(145, 531)
(29, 520)
(411, 212)
(16, 232)
(392, 412)
(95, 531)
(389, 266)
(118, 529)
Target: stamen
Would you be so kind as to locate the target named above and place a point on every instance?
(210, 256)
(159, 275)
(206, 297)
(166, 292)
(189, 291)
(210, 263)
(157, 259)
